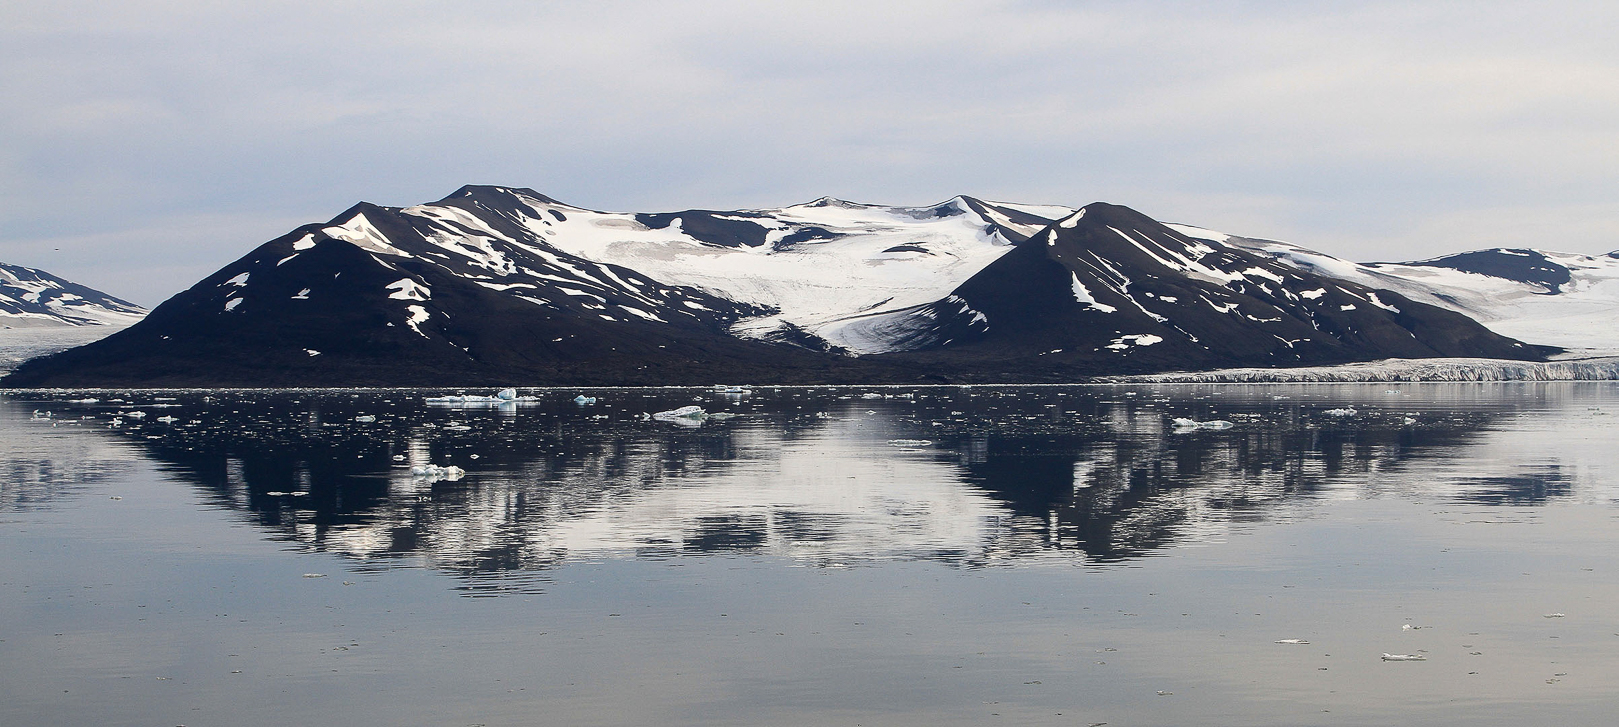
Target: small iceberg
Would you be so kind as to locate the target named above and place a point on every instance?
(730, 389)
(1403, 657)
(1341, 412)
(1291, 641)
(504, 396)
(910, 442)
(435, 473)
(687, 416)
(365, 418)
(582, 399)
(1182, 424)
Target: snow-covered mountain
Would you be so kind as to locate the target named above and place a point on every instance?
(496, 284)
(1547, 298)
(32, 298)
(1110, 289)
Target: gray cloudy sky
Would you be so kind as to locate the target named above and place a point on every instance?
(145, 144)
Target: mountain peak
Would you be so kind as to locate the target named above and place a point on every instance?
(834, 202)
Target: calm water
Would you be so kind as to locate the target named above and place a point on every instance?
(861, 556)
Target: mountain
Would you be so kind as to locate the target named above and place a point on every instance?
(494, 285)
(32, 298)
(1547, 298)
(1110, 290)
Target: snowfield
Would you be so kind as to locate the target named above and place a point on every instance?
(820, 264)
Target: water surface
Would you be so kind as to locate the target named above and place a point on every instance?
(948, 555)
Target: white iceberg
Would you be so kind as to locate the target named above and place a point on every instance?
(1403, 657)
(435, 473)
(1183, 424)
(504, 396)
(582, 399)
(688, 416)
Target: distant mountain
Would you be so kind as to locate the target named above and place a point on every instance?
(1546, 298)
(495, 285)
(32, 298)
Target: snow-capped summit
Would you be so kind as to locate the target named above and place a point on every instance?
(32, 298)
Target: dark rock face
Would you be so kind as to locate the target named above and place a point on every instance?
(468, 291)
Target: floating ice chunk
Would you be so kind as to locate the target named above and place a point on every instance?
(1291, 641)
(911, 442)
(136, 415)
(365, 418)
(1403, 657)
(1408, 421)
(314, 575)
(1349, 412)
(729, 389)
(82, 401)
(1554, 615)
(690, 416)
(435, 473)
(311, 352)
(1182, 424)
(231, 304)
(582, 399)
(504, 396)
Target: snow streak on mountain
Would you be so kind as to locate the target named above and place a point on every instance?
(494, 284)
(32, 298)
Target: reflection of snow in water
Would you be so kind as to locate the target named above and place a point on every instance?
(846, 483)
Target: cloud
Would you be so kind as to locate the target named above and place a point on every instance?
(1353, 128)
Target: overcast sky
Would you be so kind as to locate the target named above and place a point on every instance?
(145, 144)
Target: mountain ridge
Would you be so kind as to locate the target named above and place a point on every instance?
(493, 284)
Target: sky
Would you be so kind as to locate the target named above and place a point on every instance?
(145, 144)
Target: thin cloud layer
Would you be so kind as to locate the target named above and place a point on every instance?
(1370, 130)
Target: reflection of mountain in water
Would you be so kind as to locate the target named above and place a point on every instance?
(1084, 472)
(956, 475)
